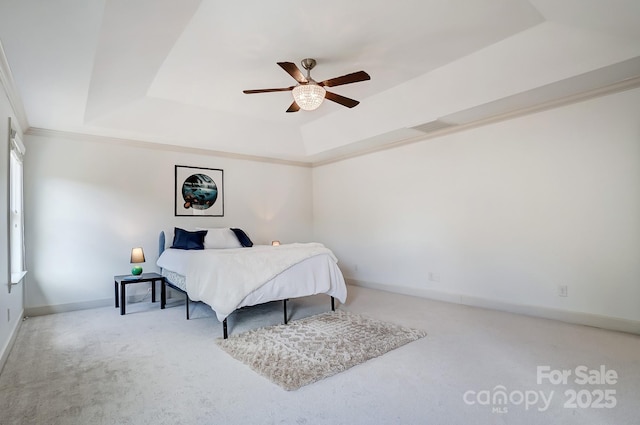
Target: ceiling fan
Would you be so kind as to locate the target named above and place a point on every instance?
(309, 94)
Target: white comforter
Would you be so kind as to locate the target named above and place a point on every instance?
(224, 277)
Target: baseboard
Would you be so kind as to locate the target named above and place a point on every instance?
(86, 305)
(579, 318)
(63, 308)
(9, 345)
(598, 321)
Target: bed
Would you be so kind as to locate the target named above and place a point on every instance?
(223, 269)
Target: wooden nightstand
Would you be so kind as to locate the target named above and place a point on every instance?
(125, 279)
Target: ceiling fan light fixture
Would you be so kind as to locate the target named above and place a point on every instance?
(309, 96)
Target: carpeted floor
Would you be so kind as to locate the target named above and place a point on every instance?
(154, 367)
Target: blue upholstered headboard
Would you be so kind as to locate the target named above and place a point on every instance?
(161, 243)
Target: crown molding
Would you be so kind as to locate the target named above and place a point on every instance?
(620, 86)
(6, 79)
(43, 132)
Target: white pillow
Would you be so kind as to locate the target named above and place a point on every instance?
(220, 238)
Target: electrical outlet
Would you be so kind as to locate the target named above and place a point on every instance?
(434, 277)
(563, 291)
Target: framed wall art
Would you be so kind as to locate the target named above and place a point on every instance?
(199, 191)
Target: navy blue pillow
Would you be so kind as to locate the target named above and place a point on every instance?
(183, 239)
(242, 238)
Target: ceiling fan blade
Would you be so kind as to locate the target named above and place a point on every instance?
(344, 101)
(294, 71)
(354, 77)
(267, 90)
(294, 107)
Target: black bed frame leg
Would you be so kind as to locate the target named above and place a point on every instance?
(224, 328)
(333, 304)
(284, 302)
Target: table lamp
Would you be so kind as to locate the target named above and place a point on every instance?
(137, 257)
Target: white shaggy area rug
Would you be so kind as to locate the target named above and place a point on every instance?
(311, 349)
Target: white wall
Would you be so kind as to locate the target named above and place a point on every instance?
(10, 303)
(505, 212)
(88, 203)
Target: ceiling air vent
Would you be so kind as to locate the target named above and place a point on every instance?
(431, 126)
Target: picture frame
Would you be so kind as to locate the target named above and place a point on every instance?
(199, 192)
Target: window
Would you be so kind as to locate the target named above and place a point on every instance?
(16, 211)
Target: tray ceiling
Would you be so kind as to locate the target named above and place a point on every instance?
(173, 72)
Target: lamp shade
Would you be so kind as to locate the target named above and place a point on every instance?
(137, 255)
(309, 96)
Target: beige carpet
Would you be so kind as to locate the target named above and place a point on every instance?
(153, 367)
(311, 349)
